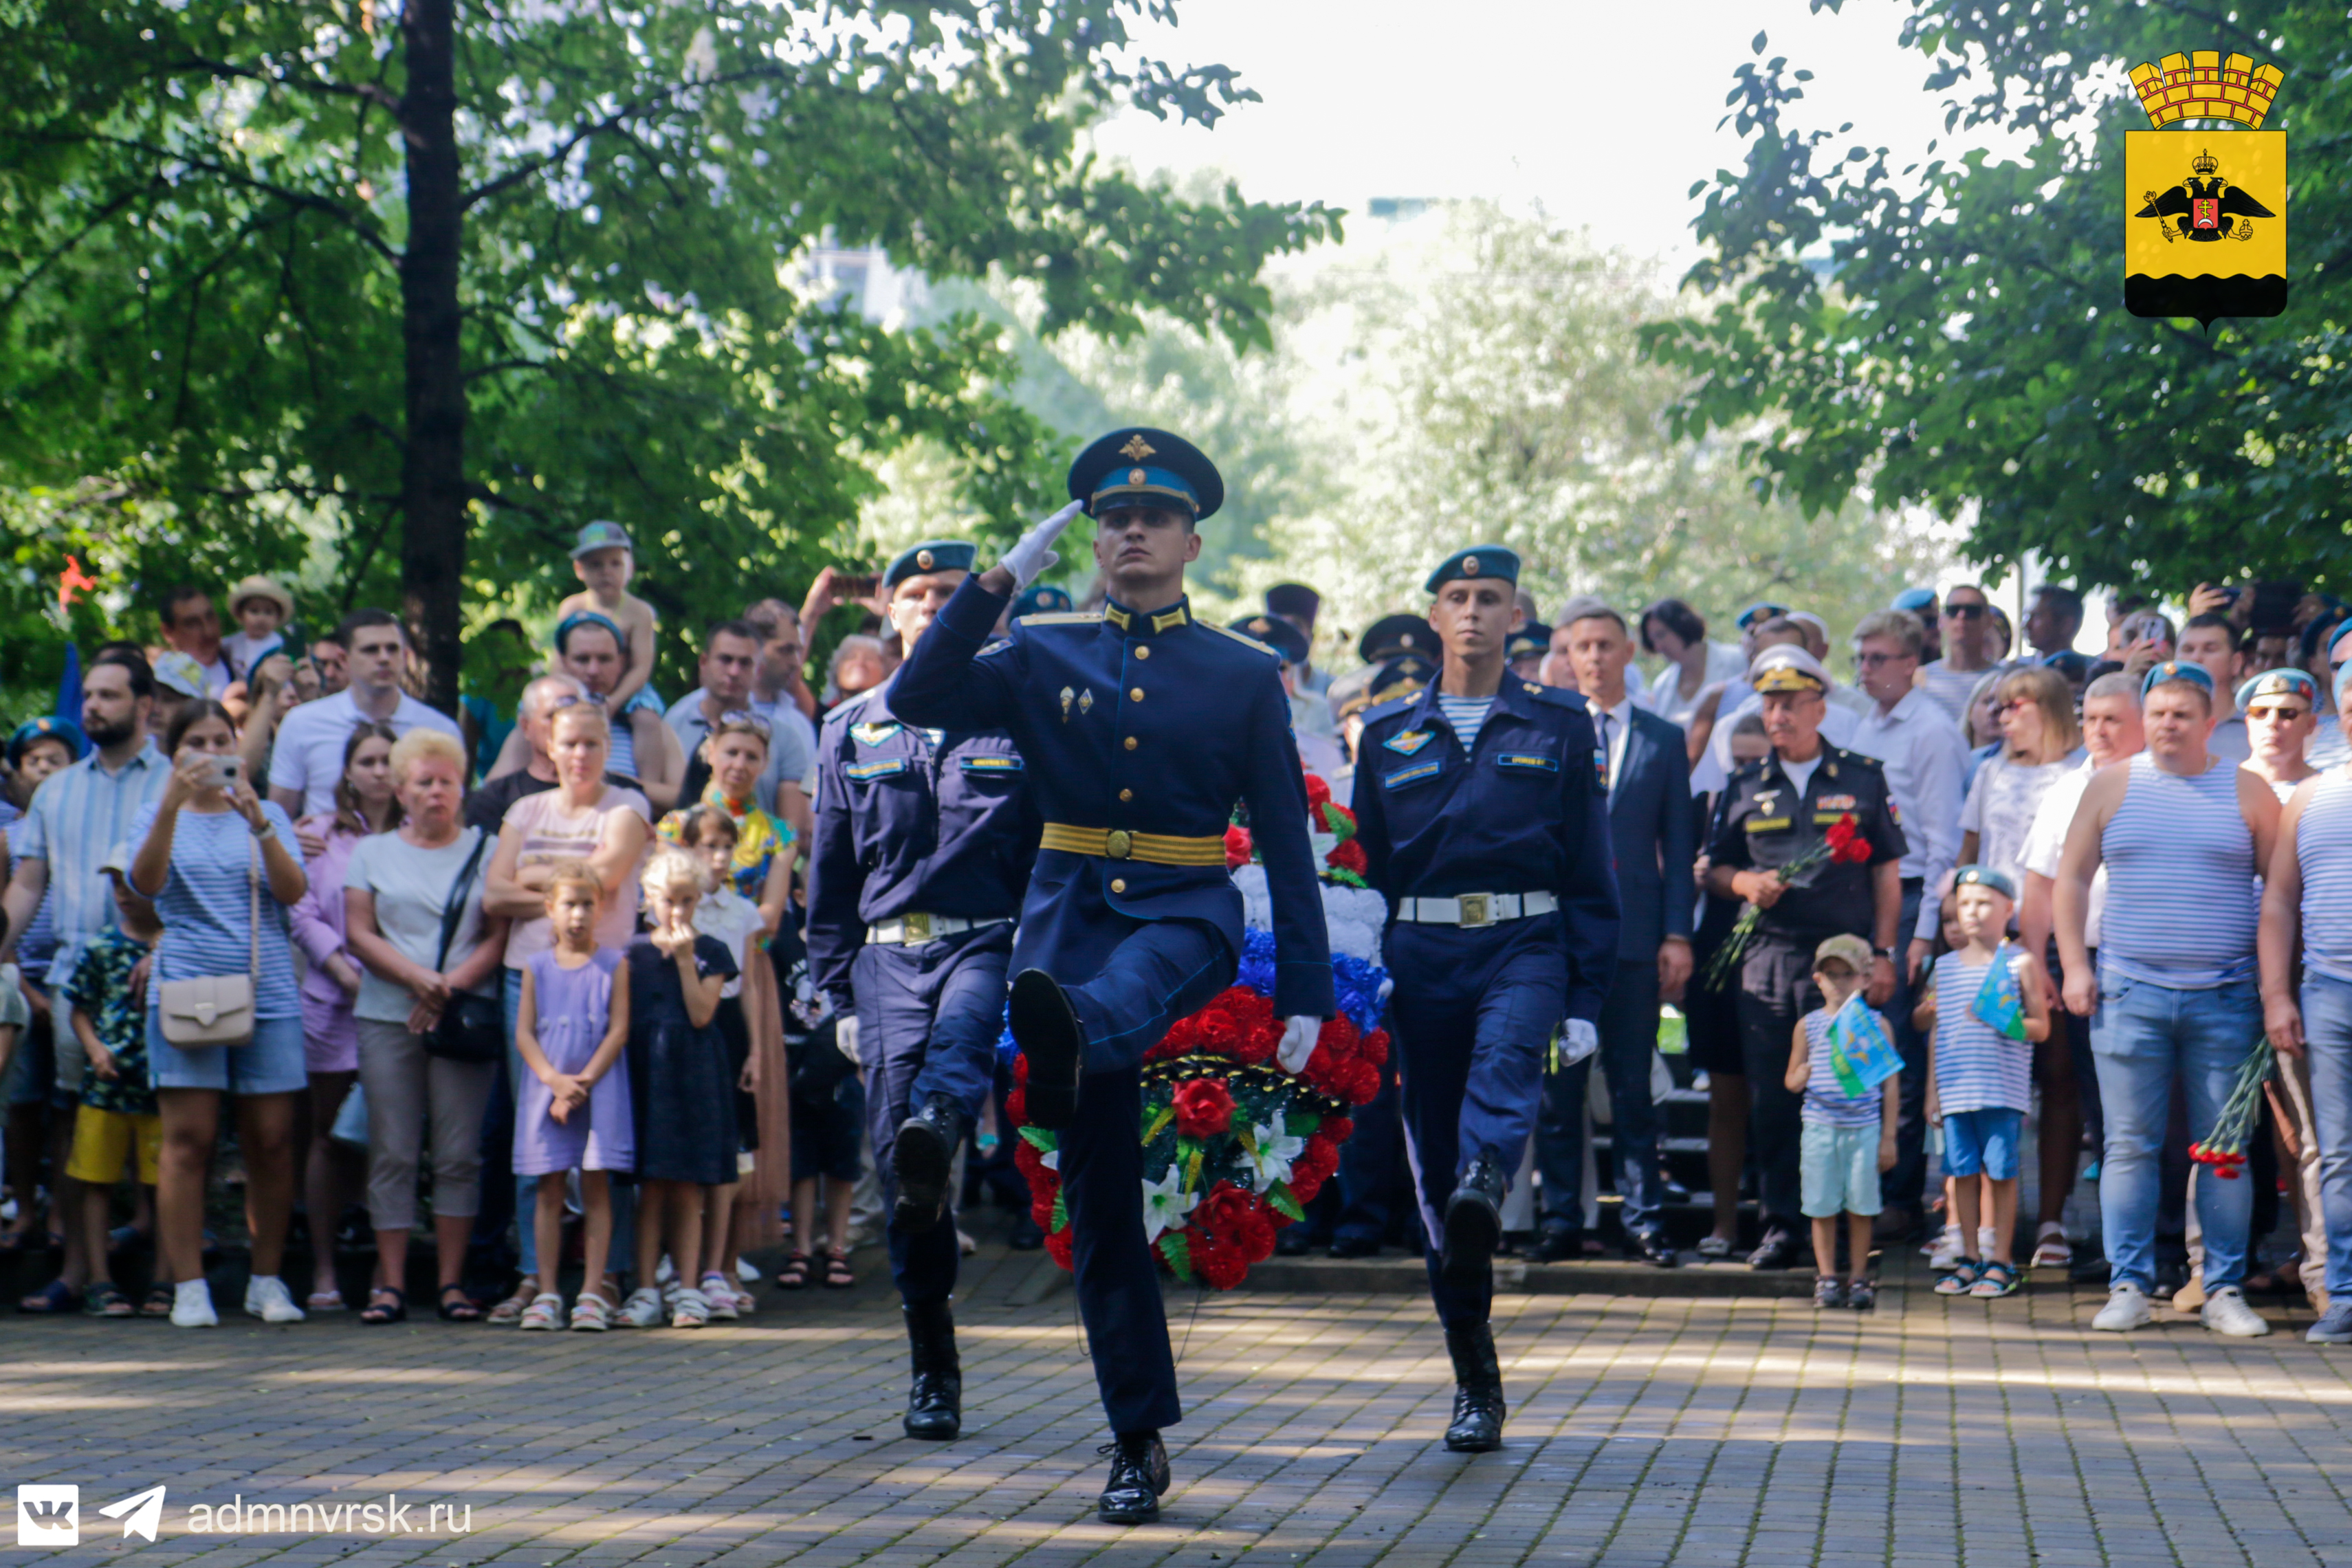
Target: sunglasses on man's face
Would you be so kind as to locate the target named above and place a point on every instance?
(2273, 711)
(1964, 611)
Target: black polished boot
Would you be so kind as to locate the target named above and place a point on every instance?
(1473, 1223)
(1477, 1425)
(1046, 1031)
(921, 1160)
(1138, 1479)
(935, 1397)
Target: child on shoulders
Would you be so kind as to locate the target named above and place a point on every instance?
(603, 560)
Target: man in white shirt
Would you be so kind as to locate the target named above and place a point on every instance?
(1967, 632)
(1926, 760)
(308, 759)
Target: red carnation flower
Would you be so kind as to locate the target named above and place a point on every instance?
(1020, 1069)
(1373, 1047)
(1031, 1163)
(1337, 1129)
(1220, 1268)
(1238, 847)
(1041, 1208)
(1348, 855)
(1361, 1083)
(1317, 792)
(1017, 1107)
(1214, 1027)
(1058, 1246)
(1204, 1107)
(1258, 1044)
(1340, 1035)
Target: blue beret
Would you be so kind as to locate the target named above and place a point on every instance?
(1762, 610)
(931, 555)
(1479, 563)
(1986, 876)
(579, 618)
(2284, 682)
(1142, 466)
(1278, 634)
(33, 730)
(2336, 636)
(2177, 670)
(1042, 598)
(1535, 637)
(1915, 600)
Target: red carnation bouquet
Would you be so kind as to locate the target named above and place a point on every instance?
(1843, 845)
(2223, 1152)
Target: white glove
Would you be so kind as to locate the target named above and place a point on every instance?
(1299, 1037)
(844, 1035)
(1033, 556)
(1578, 1039)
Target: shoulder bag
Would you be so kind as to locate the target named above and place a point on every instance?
(471, 1028)
(217, 1010)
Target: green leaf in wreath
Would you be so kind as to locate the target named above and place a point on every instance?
(1061, 1209)
(1039, 1139)
(1284, 1204)
(1179, 1253)
(1158, 1123)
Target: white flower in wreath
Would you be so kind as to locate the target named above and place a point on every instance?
(1165, 1204)
(1269, 1153)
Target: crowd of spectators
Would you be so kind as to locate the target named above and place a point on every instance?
(535, 971)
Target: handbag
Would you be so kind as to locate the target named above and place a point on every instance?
(470, 1029)
(217, 1010)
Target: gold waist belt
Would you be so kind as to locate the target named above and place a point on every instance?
(1118, 844)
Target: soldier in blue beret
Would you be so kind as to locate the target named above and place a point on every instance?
(1526, 649)
(921, 853)
(1480, 809)
(1042, 598)
(1142, 727)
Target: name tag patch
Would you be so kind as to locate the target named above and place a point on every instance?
(874, 733)
(1528, 761)
(1827, 819)
(862, 771)
(1767, 824)
(1408, 742)
(1413, 775)
(995, 764)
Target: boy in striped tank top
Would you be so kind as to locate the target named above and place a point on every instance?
(1845, 1142)
(1988, 1007)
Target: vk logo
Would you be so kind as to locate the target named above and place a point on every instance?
(49, 1516)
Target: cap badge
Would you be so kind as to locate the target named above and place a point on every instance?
(1406, 641)
(1260, 626)
(1470, 567)
(923, 559)
(1136, 450)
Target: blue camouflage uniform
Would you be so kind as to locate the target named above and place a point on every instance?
(1142, 727)
(1476, 1003)
(922, 847)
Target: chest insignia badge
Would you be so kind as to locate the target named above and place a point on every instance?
(1069, 696)
(1764, 798)
(1407, 742)
(1086, 701)
(1835, 803)
(873, 733)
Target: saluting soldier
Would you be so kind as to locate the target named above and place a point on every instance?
(922, 847)
(1483, 824)
(1141, 726)
(1774, 811)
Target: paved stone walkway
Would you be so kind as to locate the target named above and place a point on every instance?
(1659, 1431)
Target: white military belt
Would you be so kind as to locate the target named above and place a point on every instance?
(908, 929)
(1470, 910)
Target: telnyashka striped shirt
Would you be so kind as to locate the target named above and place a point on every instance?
(1827, 1104)
(1467, 716)
(2180, 879)
(2323, 851)
(1978, 1068)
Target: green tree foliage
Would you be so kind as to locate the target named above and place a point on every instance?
(411, 288)
(1952, 334)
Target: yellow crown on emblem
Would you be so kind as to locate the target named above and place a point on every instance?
(2206, 85)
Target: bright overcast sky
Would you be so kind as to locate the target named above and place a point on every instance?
(1604, 113)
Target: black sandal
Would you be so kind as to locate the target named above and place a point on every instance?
(464, 1310)
(377, 1312)
(837, 1276)
(794, 1274)
(159, 1301)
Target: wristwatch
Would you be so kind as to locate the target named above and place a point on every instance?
(1885, 953)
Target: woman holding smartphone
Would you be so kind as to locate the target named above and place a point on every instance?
(210, 853)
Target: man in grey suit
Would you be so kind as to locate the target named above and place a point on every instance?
(1647, 772)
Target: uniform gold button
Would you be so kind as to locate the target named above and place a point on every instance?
(1118, 884)
(1135, 693)
(1143, 653)
(1127, 794)
(1130, 743)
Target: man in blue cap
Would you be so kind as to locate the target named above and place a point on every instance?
(922, 851)
(1921, 603)
(1479, 805)
(1142, 727)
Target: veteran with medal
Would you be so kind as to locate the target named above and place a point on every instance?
(1486, 827)
(1141, 727)
(921, 852)
(1774, 813)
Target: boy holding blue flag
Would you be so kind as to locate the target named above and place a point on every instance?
(1980, 1067)
(1843, 1061)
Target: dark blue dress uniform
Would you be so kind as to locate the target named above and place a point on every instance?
(1141, 727)
(921, 851)
(1763, 823)
(1476, 1003)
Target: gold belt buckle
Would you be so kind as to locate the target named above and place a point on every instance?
(1476, 910)
(917, 927)
(1117, 843)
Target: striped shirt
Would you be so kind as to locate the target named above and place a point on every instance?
(2180, 879)
(1466, 716)
(206, 907)
(76, 818)
(1827, 1104)
(2323, 851)
(39, 937)
(1978, 1068)
(2327, 746)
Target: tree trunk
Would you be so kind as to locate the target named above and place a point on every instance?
(433, 470)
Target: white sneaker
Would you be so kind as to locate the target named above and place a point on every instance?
(192, 1306)
(2126, 1309)
(1945, 1254)
(266, 1298)
(2226, 1313)
(643, 1310)
(747, 1271)
(665, 1270)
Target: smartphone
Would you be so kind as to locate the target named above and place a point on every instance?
(225, 771)
(861, 586)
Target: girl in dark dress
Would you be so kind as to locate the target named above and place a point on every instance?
(681, 1078)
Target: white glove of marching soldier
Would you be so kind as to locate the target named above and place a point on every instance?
(1033, 556)
(1299, 1037)
(844, 1036)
